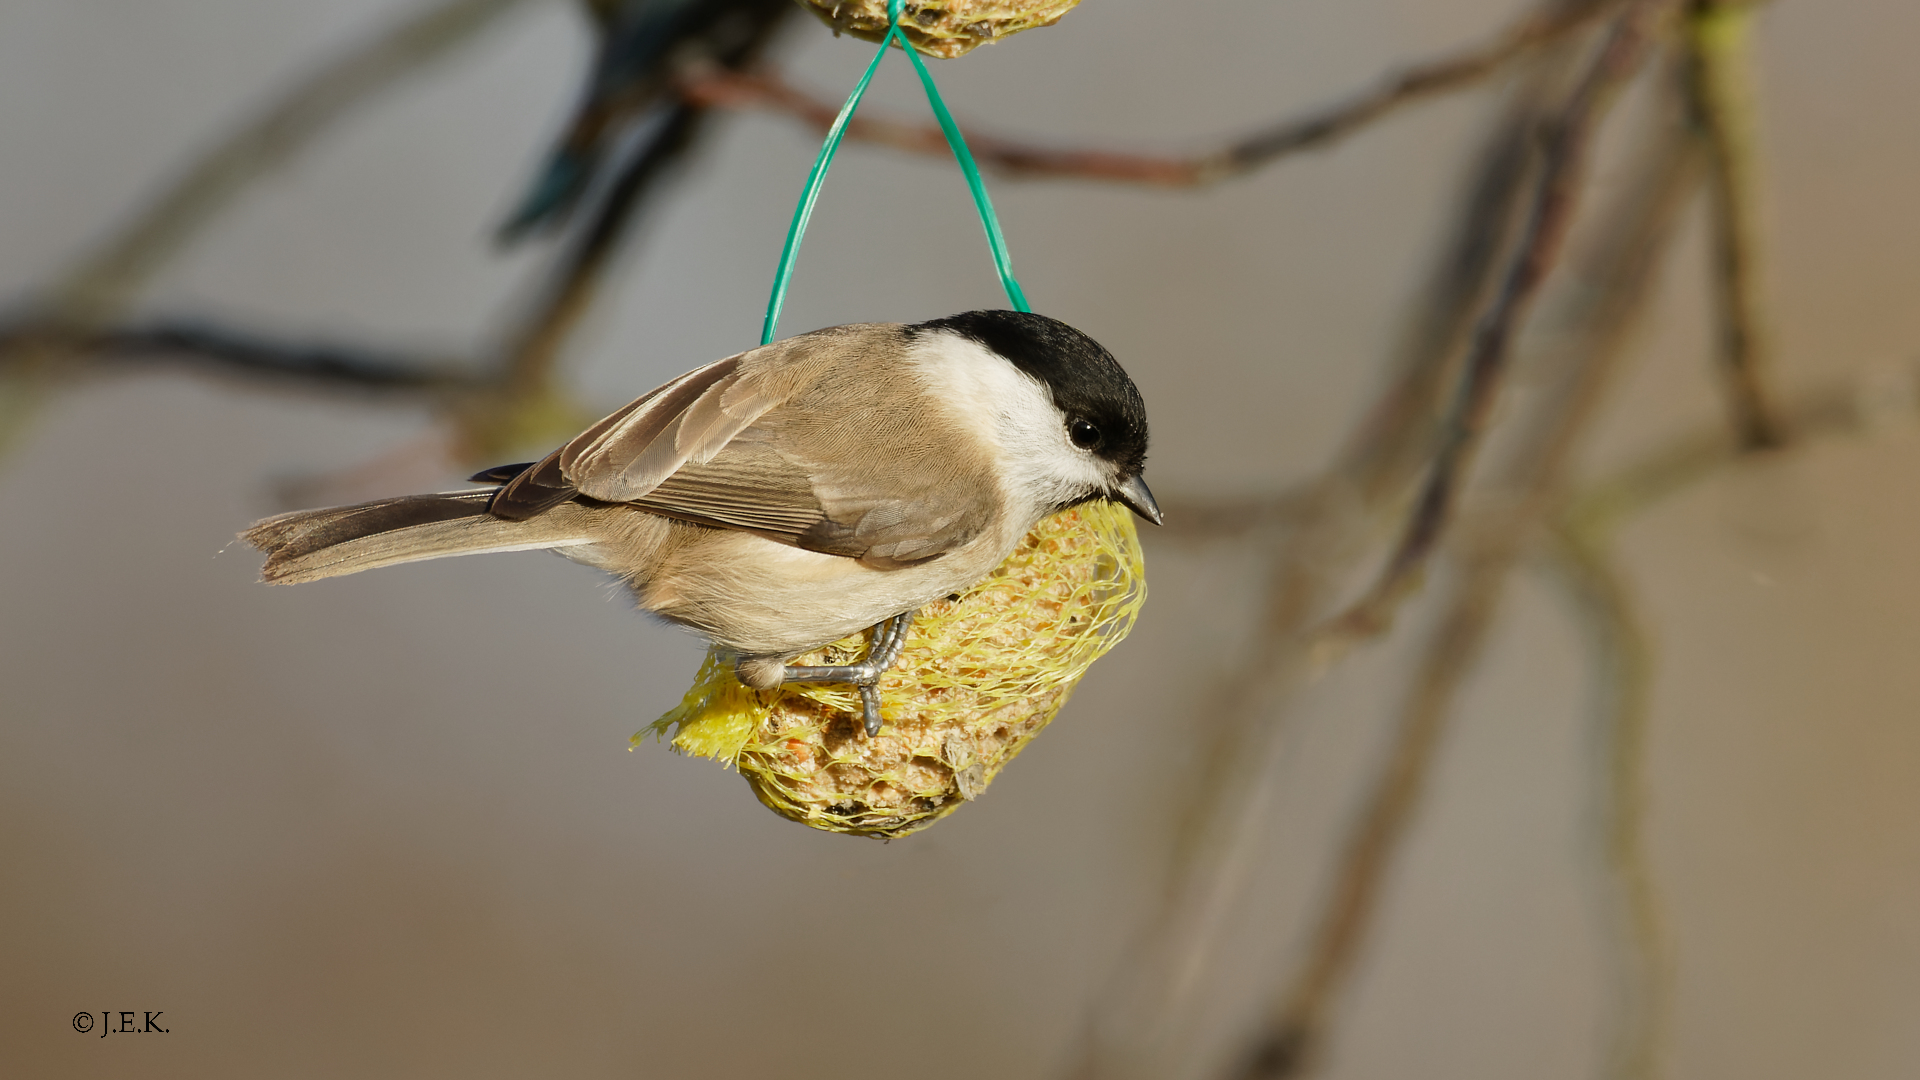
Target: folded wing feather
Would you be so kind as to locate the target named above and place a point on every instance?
(713, 447)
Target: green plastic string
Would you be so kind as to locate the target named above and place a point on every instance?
(990, 221)
(803, 213)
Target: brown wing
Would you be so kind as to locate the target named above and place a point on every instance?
(748, 485)
(632, 431)
(793, 441)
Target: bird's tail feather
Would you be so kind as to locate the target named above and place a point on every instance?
(308, 545)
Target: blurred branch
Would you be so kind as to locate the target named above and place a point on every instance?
(1395, 440)
(1722, 100)
(494, 423)
(107, 277)
(1721, 108)
(227, 350)
(1581, 556)
(1588, 571)
(1290, 1047)
(1318, 535)
(1845, 408)
(642, 46)
(1553, 201)
(1597, 319)
(1211, 520)
(714, 87)
(1851, 408)
(521, 408)
(493, 411)
(575, 281)
(95, 290)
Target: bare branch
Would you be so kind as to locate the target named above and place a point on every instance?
(1720, 93)
(1395, 440)
(571, 290)
(642, 45)
(493, 411)
(94, 291)
(1616, 278)
(1415, 84)
(231, 351)
(1311, 540)
(1625, 674)
(118, 267)
(1838, 409)
(493, 424)
(524, 406)
(1555, 197)
(1290, 1047)
(717, 88)
(1202, 520)
(1242, 730)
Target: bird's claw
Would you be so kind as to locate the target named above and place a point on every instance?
(889, 637)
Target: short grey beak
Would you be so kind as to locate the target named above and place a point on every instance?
(1135, 495)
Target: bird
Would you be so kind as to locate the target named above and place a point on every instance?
(791, 495)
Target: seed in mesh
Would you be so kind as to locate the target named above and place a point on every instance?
(982, 673)
(942, 28)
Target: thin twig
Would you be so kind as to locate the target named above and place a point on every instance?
(1291, 1046)
(574, 283)
(1720, 92)
(723, 90)
(1844, 408)
(116, 269)
(1579, 549)
(642, 45)
(720, 89)
(490, 425)
(104, 281)
(1396, 438)
(1555, 197)
(1840, 408)
(1242, 735)
(250, 354)
(1587, 569)
(523, 407)
(1212, 520)
(1623, 656)
(1602, 310)
(514, 399)
(1397, 434)
(495, 407)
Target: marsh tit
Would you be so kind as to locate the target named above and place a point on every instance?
(789, 496)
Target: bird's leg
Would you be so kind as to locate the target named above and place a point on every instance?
(889, 637)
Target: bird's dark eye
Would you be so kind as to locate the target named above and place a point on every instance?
(1084, 435)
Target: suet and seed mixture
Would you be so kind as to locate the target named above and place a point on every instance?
(942, 28)
(981, 674)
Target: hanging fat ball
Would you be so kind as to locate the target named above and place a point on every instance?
(942, 28)
(981, 674)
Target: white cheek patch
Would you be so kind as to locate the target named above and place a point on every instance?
(1012, 412)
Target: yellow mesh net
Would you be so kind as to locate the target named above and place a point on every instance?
(979, 677)
(944, 28)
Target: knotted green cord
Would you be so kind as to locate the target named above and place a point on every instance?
(804, 212)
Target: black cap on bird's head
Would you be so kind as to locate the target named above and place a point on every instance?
(1104, 412)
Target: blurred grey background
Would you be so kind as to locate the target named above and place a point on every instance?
(389, 825)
